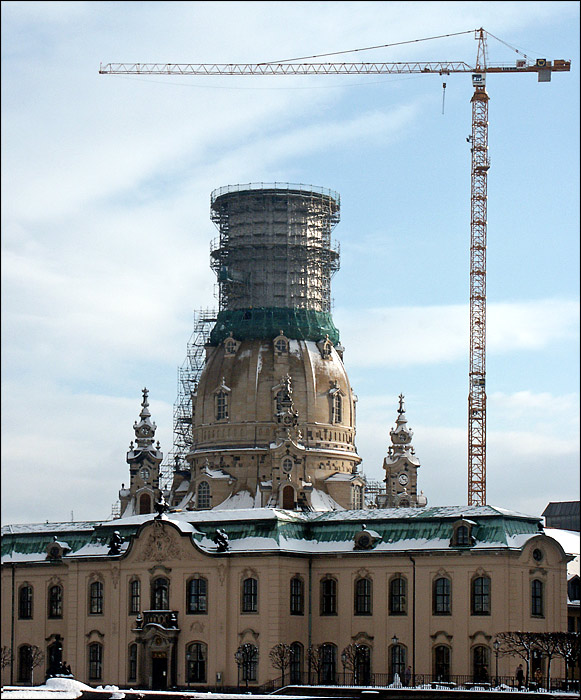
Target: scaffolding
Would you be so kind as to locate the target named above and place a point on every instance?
(188, 378)
(274, 249)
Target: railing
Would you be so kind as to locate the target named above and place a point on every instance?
(425, 680)
(167, 619)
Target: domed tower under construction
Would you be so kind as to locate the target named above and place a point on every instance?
(273, 421)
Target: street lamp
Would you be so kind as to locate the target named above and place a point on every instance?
(188, 658)
(344, 662)
(394, 656)
(496, 645)
(239, 656)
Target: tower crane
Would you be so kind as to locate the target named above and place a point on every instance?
(480, 164)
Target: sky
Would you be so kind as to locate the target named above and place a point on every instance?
(106, 184)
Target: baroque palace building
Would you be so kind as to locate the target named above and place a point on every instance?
(265, 535)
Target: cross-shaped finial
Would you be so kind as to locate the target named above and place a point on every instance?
(401, 408)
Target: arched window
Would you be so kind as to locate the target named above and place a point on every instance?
(329, 596)
(481, 595)
(537, 607)
(134, 596)
(442, 663)
(144, 504)
(250, 595)
(160, 594)
(96, 598)
(362, 665)
(462, 536)
(397, 659)
(25, 602)
(337, 408)
(196, 659)
(55, 602)
(95, 661)
(296, 663)
(363, 596)
(203, 495)
(442, 596)
(221, 405)
(25, 663)
(328, 669)
(297, 596)
(132, 663)
(397, 596)
(197, 596)
(281, 345)
(480, 664)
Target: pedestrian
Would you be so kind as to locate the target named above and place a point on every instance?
(408, 675)
(520, 676)
(538, 677)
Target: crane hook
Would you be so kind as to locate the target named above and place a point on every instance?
(443, 96)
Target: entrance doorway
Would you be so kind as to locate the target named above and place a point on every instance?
(159, 671)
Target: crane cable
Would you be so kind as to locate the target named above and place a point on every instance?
(368, 48)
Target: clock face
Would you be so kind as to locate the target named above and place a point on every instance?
(144, 431)
(402, 437)
(537, 555)
(403, 479)
(144, 473)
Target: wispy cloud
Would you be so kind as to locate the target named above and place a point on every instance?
(404, 336)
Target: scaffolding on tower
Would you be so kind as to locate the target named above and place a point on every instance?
(188, 378)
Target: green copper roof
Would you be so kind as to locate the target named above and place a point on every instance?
(266, 530)
(266, 323)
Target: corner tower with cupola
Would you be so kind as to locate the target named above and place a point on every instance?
(144, 459)
(401, 466)
(274, 411)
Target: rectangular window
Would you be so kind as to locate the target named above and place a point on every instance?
(363, 596)
(132, 671)
(55, 602)
(297, 606)
(397, 596)
(96, 598)
(537, 598)
(329, 596)
(197, 596)
(25, 603)
(134, 596)
(95, 662)
(250, 595)
(442, 597)
(481, 596)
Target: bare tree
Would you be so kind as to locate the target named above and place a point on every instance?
(280, 657)
(6, 656)
(36, 658)
(548, 644)
(519, 644)
(315, 660)
(569, 647)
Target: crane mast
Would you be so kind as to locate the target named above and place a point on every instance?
(478, 231)
(480, 164)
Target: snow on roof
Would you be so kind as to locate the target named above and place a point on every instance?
(568, 539)
(242, 499)
(342, 476)
(321, 501)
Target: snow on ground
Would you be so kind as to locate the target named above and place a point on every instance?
(57, 688)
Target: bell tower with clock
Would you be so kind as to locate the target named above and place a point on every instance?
(144, 459)
(401, 466)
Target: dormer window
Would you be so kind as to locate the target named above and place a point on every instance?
(221, 401)
(221, 405)
(337, 409)
(462, 533)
